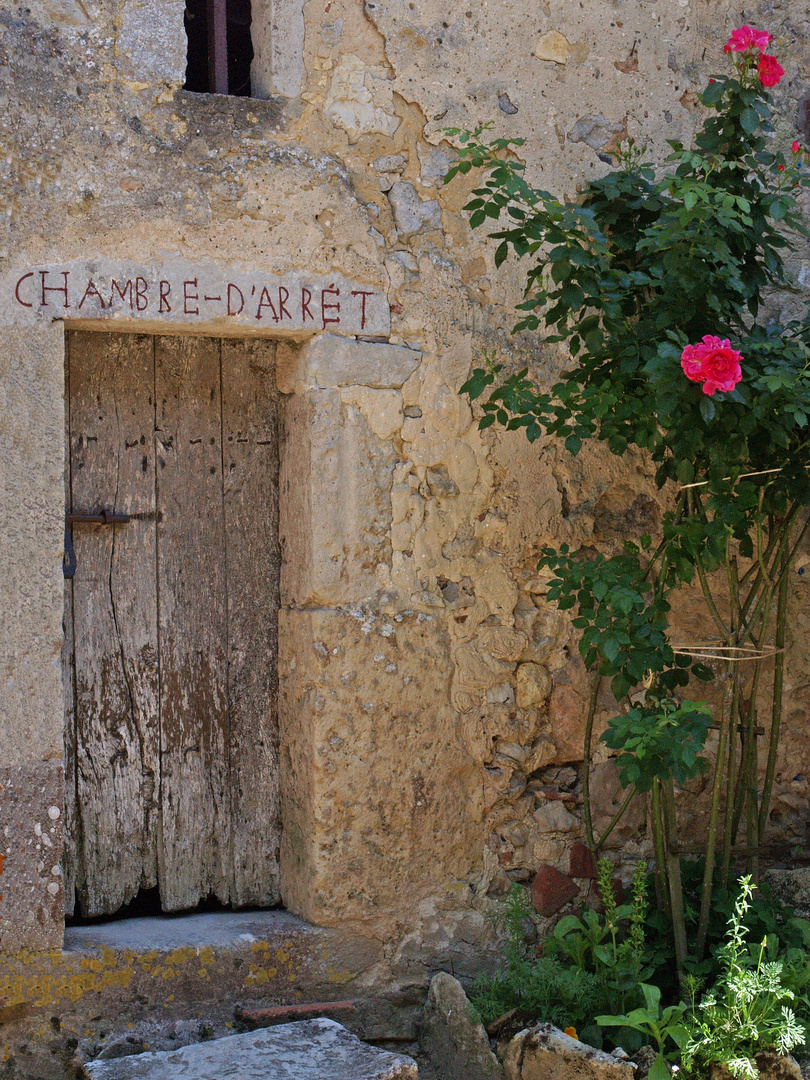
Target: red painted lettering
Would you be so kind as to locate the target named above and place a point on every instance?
(190, 296)
(54, 288)
(125, 293)
(331, 291)
(266, 303)
(306, 300)
(17, 289)
(141, 301)
(165, 289)
(92, 290)
(363, 296)
(233, 289)
(283, 297)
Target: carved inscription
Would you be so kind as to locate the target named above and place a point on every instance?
(182, 292)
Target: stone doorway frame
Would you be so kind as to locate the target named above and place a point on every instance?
(325, 565)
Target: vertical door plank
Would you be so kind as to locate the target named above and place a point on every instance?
(250, 459)
(115, 625)
(69, 845)
(194, 846)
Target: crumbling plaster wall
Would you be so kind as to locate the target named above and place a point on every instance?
(433, 699)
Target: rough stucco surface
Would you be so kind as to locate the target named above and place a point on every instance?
(432, 699)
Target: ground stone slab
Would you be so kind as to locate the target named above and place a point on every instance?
(309, 1050)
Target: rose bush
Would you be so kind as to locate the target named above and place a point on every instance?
(647, 278)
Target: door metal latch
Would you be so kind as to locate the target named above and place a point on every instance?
(94, 517)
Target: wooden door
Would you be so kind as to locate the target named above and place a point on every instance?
(171, 622)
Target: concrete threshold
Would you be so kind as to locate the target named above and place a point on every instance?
(216, 930)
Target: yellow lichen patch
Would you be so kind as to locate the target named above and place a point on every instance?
(206, 956)
(339, 978)
(182, 955)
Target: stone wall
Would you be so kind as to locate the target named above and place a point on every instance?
(432, 700)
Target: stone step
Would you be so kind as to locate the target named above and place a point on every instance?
(307, 1050)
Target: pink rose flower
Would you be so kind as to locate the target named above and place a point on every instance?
(769, 70)
(747, 37)
(712, 362)
(795, 147)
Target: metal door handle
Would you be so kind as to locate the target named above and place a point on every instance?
(94, 517)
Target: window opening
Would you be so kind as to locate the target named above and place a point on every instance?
(220, 50)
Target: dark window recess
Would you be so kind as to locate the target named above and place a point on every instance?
(219, 47)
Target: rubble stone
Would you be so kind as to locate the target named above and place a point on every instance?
(544, 1052)
(452, 1038)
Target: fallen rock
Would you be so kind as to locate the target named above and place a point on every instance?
(455, 1044)
(308, 1050)
(543, 1052)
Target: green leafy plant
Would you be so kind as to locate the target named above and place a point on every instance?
(540, 987)
(748, 1011)
(610, 946)
(660, 738)
(589, 963)
(657, 1025)
(648, 278)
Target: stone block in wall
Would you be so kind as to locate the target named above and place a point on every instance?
(607, 795)
(32, 899)
(568, 709)
(152, 41)
(335, 515)
(32, 509)
(380, 809)
(277, 33)
(330, 361)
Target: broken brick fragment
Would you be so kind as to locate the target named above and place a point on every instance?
(551, 890)
(581, 863)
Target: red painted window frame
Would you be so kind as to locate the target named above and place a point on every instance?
(217, 47)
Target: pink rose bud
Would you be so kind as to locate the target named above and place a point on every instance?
(795, 147)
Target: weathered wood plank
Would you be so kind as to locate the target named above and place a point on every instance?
(195, 842)
(250, 462)
(114, 611)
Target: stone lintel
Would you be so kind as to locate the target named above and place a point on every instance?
(330, 361)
